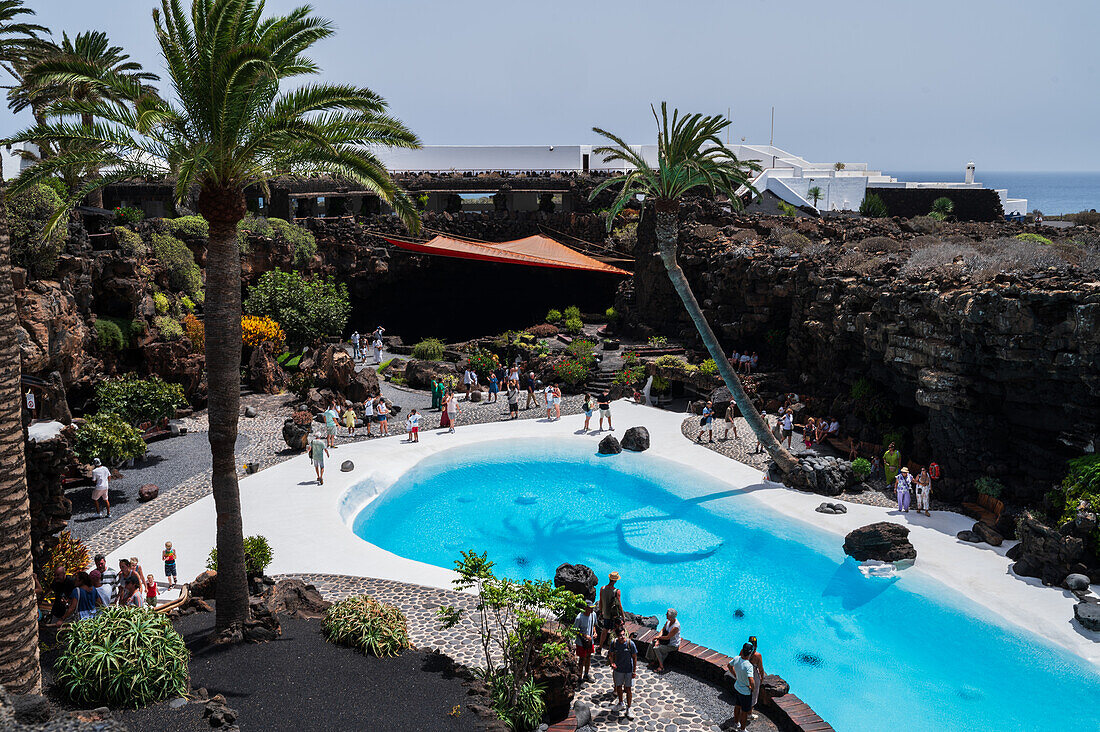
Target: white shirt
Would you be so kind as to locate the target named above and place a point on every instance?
(467, 377)
(834, 427)
(414, 420)
(368, 408)
(101, 475)
(788, 421)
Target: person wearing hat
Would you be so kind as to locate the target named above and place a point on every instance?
(585, 626)
(901, 488)
(611, 607)
(740, 670)
(102, 477)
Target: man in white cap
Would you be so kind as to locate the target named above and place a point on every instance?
(901, 487)
(102, 476)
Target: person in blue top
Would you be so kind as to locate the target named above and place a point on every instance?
(624, 669)
(84, 601)
(331, 415)
(740, 669)
(585, 627)
(317, 453)
(707, 422)
(494, 388)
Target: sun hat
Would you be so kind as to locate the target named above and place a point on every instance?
(614, 576)
(96, 462)
(905, 470)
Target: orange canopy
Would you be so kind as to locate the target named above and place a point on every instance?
(536, 251)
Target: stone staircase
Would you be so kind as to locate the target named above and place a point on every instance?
(599, 380)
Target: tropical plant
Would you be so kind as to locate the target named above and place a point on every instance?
(122, 657)
(187, 304)
(257, 551)
(129, 241)
(139, 400)
(510, 616)
(183, 274)
(70, 553)
(815, 194)
(189, 227)
(582, 348)
(572, 371)
(861, 467)
(168, 327)
(691, 158)
(942, 207)
(233, 127)
(574, 326)
(429, 349)
(571, 312)
(838, 166)
(108, 335)
(363, 623)
(657, 341)
(160, 303)
(300, 385)
(483, 363)
(256, 330)
(128, 215)
(676, 363)
(307, 308)
(553, 315)
(33, 246)
(1080, 487)
(708, 368)
(196, 332)
(787, 209)
(989, 486)
(873, 207)
(611, 314)
(110, 438)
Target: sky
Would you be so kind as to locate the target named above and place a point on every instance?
(901, 85)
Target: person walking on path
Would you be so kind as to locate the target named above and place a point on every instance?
(317, 453)
(731, 422)
(169, 557)
(740, 669)
(891, 461)
(758, 673)
(356, 354)
(368, 414)
(102, 477)
(331, 415)
(924, 491)
(611, 608)
(624, 669)
(349, 421)
(604, 403)
(788, 426)
(529, 384)
(585, 627)
(901, 487)
(666, 643)
(452, 411)
(706, 424)
(513, 400)
(588, 406)
(377, 343)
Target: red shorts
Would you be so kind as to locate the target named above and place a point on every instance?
(414, 430)
(585, 651)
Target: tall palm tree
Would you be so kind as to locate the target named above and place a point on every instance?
(19, 668)
(230, 126)
(690, 157)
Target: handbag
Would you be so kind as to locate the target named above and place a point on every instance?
(702, 421)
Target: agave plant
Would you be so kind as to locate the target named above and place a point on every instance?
(364, 623)
(942, 207)
(122, 657)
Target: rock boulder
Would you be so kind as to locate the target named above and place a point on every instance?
(296, 436)
(295, 599)
(827, 475)
(577, 578)
(636, 439)
(1076, 582)
(609, 446)
(148, 492)
(1047, 553)
(265, 373)
(987, 534)
(347, 466)
(884, 541)
(1088, 615)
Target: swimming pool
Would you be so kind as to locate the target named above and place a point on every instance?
(865, 653)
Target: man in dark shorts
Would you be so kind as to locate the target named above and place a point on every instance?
(603, 401)
(624, 669)
(611, 608)
(740, 669)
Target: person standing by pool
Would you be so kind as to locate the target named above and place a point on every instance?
(548, 397)
(331, 415)
(587, 405)
(604, 403)
(368, 414)
(414, 426)
(317, 453)
(585, 625)
(383, 417)
(624, 669)
(740, 669)
(513, 400)
(667, 642)
(102, 477)
(924, 491)
(758, 673)
(452, 411)
(891, 460)
(557, 401)
(901, 487)
(611, 607)
(706, 424)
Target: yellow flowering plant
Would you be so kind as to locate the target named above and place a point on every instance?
(256, 330)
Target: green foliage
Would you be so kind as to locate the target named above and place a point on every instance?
(128, 215)
(708, 368)
(861, 467)
(108, 335)
(581, 347)
(187, 304)
(573, 371)
(482, 363)
(257, 555)
(897, 437)
(1080, 486)
(942, 207)
(660, 384)
(574, 326)
(611, 314)
(169, 328)
(630, 374)
(122, 657)
(873, 207)
(137, 400)
(300, 385)
(658, 341)
(57, 185)
(110, 438)
(28, 214)
(677, 363)
(289, 361)
(787, 209)
(1034, 238)
(429, 349)
(526, 711)
(302, 243)
(307, 308)
(160, 303)
(815, 194)
(129, 242)
(870, 403)
(183, 274)
(363, 623)
(385, 365)
(571, 312)
(989, 486)
(189, 227)
(70, 553)
(553, 315)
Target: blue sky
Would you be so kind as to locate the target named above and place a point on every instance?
(901, 85)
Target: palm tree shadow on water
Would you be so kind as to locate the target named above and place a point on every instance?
(570, 539)
(853, 589)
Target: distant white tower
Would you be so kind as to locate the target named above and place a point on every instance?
(970, 172)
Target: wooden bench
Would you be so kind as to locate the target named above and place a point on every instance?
(796, 715)
(987, 510)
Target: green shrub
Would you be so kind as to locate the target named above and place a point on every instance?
(571, 312)
(108, 437)
(307, 308)
(189, 227)
(160, 303)
(183, 274)
(187, 304)
(572, 371)
(708, 368)
(429, 349)
(128, 215)
(169, 328)
(527, 709)
(658, 341)
(574, 326)
(861, 467)
(28, 214)
(611, 314)
(108, 335)
(482, 363)
(57, 185)
(786, 209)
(873, 207)
(129, 242)
(553, 315)
(122, 657)
(581, 347)
(629, 375)
(989, 486)
(942, 207)
(257, 555)
(674, 362)
(898, 438)
(363, 623)
(301, 240)
(1033, 237)
(137, 400)
(1081, 484)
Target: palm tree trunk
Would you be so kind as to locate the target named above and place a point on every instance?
(223, 209)
(668, 234)
(19, 668)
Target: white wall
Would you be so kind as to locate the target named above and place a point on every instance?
(13, 163)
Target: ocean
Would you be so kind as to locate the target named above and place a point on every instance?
(1051, 193)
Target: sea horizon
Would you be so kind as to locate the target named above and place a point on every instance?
(1052, 192)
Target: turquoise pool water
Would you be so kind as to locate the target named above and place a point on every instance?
(866, 654)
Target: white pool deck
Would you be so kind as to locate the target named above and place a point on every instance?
(309, 529)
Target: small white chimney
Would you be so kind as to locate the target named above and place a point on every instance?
(970, 172)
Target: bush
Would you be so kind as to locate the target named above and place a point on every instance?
(708, 367)
(300, 385)
(306, 308)
(574, 326)
(553, 315)
(57, 186)
(189, 227)
(878, 244)
(674, 362)
(169, 328)
(429, 349)
(989, 486)
(196, 332)
(363, 623)
(924, 224)
(122, 657)
(582, 348)
(611, 314)
(571, 312)
(302, 243)
(630, 374)
(873, 207)
(129, 242)
(572, 371)
(529, 705)
(942, 207)
(128, 215)
(107, 436)
(187, 304)
(544, 330)
(795, 241)
(256, 330)
(69, 553)
(137, 400)
(1034, 238)
(483, 363)
(786, 209)
(1081, 485)
(183, 274)
(658, 341)
(28, 214)
(160, 303)
(257, 555)
(1084, 218)
(108, 335)
(942, 259)
(861, 467)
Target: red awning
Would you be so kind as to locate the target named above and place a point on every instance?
(535, 251)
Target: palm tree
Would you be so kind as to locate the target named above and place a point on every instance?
(690, 157)
(230, 127)
(815, 193)
(19, 668)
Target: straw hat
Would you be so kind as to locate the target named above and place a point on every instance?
(614, 576)
(905, 470)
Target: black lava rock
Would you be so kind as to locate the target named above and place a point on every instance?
(884, 541)
(636, 439)
(610, 446)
